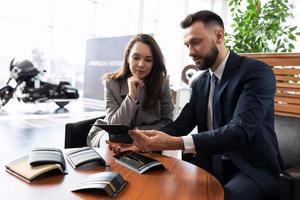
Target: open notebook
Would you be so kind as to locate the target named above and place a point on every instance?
(81, 156)
(137, 161)
(22, 169)
(110, 183)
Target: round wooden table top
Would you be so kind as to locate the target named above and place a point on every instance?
(181, 180)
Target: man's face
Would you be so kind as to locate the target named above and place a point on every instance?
(201, 44)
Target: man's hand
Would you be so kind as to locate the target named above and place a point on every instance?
(152, 140)
(119, 147)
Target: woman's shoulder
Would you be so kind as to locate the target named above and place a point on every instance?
(111, 82)
(165, 84)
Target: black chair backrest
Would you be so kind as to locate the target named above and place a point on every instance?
(288, 135)
(76, 133)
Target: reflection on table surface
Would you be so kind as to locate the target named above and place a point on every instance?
(181, 180)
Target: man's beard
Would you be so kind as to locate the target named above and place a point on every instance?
(209, 60)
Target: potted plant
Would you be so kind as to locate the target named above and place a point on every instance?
(261, 27)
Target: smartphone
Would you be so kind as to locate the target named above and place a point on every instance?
(117, 133)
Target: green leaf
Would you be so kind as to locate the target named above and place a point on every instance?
(256, 25)
(292, 37)
(291, 46)
(293, 28)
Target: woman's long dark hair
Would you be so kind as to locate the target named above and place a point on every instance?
(154, 79)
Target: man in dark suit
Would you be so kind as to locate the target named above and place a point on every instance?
(232, 105)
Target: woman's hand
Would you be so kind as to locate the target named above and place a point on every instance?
(133, 83)
(119, 147)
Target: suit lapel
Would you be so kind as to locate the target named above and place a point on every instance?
(204, 94)
(123, 90)
(229, 71)
(233, 62)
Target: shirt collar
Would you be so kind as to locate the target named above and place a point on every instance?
(219, 71)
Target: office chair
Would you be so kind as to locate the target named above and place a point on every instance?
(76, 133)
(288, 135)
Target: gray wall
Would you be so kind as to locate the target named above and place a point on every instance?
(103, 55)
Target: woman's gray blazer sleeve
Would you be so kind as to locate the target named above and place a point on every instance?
(118, 111)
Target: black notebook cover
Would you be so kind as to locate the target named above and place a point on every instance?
(81, 156)
(46, 155)
(110, 183)
(137, 162)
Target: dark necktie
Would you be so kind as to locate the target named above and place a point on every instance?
(217, 159)
(212, 115)
(215, 102)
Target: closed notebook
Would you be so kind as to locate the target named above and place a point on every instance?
(81, 156)
(22, 169)
(137, 162)
(110, 183)
(46, 155)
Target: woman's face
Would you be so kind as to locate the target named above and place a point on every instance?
(140, 60)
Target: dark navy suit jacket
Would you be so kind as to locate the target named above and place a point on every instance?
(245, 117)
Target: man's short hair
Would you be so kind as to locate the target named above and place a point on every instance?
(205, 16)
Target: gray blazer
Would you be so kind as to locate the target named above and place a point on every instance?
(120, 109)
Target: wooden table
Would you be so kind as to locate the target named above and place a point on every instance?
(181, 180)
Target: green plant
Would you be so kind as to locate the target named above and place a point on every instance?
(261, 27)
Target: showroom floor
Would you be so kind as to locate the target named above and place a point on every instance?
(24, 126)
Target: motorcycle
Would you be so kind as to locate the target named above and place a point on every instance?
(25, 83)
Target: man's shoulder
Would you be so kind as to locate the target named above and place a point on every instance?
(200, 78)
(245, 60)
(247, 66)
(202, 75)
(251, 67)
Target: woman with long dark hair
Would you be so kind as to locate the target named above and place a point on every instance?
(138, 94)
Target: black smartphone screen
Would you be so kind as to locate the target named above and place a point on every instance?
(117, 133)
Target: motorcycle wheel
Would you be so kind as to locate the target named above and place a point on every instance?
(62, 104)
(6, 94)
